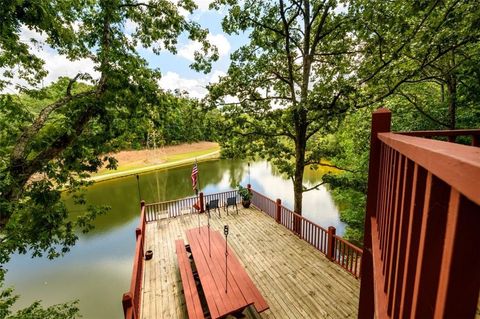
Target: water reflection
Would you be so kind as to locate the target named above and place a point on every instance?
(97, 270)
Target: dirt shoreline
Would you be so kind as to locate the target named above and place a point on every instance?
(140, 158)
(141, 161)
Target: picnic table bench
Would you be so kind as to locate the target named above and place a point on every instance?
(192, 299)
(209, 260)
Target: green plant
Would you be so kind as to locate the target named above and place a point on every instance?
(245, 193)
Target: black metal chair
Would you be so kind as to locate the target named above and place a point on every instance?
(231, 201)
(213, 204)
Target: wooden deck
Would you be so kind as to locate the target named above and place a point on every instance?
(296, 280)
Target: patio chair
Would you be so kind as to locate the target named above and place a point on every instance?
(196, 207)
(231, 201)
(213, 204)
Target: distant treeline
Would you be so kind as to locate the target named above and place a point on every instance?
(174, 119)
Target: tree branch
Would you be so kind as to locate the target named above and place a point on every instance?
(395, 54)
(289, 54)
(19, 151)
(70, 84)
(135, 5)
(318, 33)
(312, 188)
(319, 163)
(415, 104)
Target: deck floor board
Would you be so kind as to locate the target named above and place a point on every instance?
(296, 280)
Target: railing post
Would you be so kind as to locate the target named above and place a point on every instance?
(201, 203)
(127, 302)
(381, 120)
(278, 210)
(331, 243)
(142, 205)
(475, 140)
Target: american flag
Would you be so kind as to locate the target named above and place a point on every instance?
(194, 176)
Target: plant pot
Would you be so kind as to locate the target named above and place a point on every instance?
(148, 255)
(246, 203)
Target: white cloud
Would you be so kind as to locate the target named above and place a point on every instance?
(130, 26)
(215, 77)
(172, 81)
(196, 88)
(203, 4)
(220, 41)
(57, 65)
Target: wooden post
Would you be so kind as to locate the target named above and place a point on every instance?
(142, 205)
(331, 242)
(127, 303)
(278, 211)
(476, 140)
(201, 203)
(381, 120)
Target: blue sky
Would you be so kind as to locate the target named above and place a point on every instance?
(175, 68)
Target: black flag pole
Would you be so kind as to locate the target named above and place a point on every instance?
(225, 231)
(138, 187)
(198, 186)
(209, 250)
(195, 185)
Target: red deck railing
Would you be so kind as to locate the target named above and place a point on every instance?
(131, 299)
(338, 250)
(174, 208)
(421, 250)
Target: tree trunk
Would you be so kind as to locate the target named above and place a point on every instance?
(300, 146)
(452, 101)
(452, 93)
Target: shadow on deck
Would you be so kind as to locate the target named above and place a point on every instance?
(296, 279)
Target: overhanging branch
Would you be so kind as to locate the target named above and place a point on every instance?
(312, 188)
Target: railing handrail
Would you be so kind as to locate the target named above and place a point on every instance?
(305, 219)
(170, 201)
(442, 159)
(337, 249)
(346, 242)
(295, 214)
(186, 198)
(131, 299)
(431, 133)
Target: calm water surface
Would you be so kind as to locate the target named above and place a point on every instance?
(97, 270)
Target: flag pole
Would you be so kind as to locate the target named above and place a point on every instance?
(197, 186)
(194, 176)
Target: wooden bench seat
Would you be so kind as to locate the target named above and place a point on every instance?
(192, 299)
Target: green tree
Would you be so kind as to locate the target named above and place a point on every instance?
(287, 81)
(309, 62)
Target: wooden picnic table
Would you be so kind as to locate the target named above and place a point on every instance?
(210, 265)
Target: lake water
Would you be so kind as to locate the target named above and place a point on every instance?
(97, 270)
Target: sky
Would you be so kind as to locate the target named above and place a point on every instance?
(176, 73)
(175, 68)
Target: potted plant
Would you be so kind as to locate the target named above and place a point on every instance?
(246, 195)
